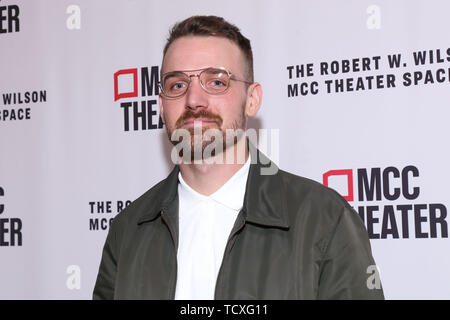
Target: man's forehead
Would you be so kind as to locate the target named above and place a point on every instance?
(196, 52)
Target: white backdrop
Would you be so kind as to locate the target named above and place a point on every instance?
(72, 153)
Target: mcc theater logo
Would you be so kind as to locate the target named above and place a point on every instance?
(387, 200)
(139, 88)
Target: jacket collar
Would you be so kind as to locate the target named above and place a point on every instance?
(265, 195)
(264, 200)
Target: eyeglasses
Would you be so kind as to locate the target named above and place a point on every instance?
(213, 80)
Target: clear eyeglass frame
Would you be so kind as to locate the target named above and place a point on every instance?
(187, 79)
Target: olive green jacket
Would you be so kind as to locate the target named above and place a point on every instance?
(293, 239)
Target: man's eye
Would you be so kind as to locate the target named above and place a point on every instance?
(178, 86)
(217, 83)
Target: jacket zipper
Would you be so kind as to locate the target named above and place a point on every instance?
(227, 250)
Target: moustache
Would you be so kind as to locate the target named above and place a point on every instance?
(196, 115)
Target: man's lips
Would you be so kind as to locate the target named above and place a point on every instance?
(203, 118)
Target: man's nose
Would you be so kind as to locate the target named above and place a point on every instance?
(196, 97)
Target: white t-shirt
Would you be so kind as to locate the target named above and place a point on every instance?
(205, 223)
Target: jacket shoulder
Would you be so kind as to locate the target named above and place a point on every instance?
(313, 206)
(301, 189)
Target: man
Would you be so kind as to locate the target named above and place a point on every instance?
(222, 229)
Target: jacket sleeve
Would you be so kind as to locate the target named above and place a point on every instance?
(105, 284)
(348, 270)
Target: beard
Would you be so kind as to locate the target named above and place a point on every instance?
(212, 136)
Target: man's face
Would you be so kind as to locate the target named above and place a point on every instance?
(222, 111)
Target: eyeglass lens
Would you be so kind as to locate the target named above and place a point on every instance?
(212, 80)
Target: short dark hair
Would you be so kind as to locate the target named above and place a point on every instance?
(212, 26)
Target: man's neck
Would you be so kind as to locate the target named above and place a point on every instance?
(208, 178)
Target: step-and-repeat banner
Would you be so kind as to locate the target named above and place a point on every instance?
(356, 93)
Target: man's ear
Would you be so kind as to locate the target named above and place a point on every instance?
(161, 108)
(254, 99)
